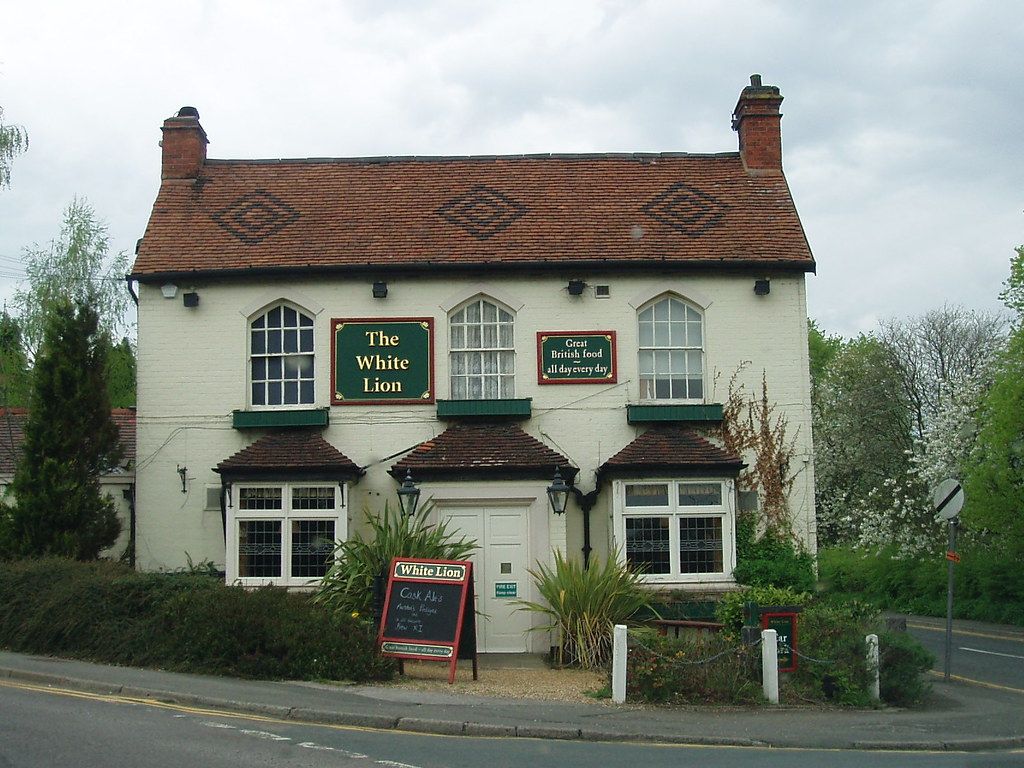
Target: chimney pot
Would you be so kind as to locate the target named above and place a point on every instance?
(184, 145)
(757, 120)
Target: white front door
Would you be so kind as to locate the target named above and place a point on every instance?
(499, 572)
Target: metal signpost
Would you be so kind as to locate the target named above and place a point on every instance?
(948, 500)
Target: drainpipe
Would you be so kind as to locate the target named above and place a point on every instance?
(129, 495)
(586, 502)
(131, 290)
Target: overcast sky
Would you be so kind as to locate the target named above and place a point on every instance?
(903, 135)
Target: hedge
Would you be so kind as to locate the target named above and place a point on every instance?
(187, 622)
(985, 588)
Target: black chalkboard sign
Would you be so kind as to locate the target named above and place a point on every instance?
(428, 612)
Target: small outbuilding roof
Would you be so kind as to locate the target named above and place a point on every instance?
(494, 450)
(297, 452)
(671, 448)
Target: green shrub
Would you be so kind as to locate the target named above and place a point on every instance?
(832, 638)
(903, 663)
(104, 611)
(348, 586)
(583, 605)
(985, 588)
(663, 670)
(772, 560)
(730, 607)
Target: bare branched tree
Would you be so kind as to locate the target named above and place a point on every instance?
(938, 352)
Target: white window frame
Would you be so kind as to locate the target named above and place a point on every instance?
(285, 516)
(685, 348)
(466, 351)
(250, 355)
(726, 511)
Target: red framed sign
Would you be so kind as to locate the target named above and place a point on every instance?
(382, 361)
(576, 357)
(428, 612)
(784, 624)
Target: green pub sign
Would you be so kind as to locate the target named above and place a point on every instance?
(382, 361)
(576, 357)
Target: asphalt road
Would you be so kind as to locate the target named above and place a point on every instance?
(983, 653)
(42, 728)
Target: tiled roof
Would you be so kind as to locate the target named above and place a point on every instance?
(595, 211)
(671, 448)
(12, 435)
(295, 451)
(495, 451)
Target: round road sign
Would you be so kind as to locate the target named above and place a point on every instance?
(948, 499)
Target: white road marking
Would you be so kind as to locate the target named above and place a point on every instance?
(322, 748)
(992, 653)
(264, 735)
(393, 764)
(211, 724)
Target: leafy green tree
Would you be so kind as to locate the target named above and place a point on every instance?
(121, 374)
(1013, 293)
(994, 477)
(823, 348)
(863, 434)
(14, 369)
(70, 440)
(75, 267)
(13, 141)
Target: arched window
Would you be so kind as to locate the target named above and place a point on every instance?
(482, 352)
(671, 351)
(281, 357)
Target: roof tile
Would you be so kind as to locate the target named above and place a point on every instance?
(301, 451)
(346, 214)
(493, 450)
(671, 447)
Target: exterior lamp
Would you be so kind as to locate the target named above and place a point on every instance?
(380, 290)
(558, 494)
(576, 287)
(408, 495)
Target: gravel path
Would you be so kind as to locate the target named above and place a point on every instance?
(515, 683)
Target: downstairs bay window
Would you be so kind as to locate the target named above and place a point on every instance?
(677, 531)
(284, 533)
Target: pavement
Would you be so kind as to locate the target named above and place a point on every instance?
(957, 717)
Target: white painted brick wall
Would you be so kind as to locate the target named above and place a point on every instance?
(193, 374)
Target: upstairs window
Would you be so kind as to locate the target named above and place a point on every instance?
(671, 360)
(482, 352)
(281, 358)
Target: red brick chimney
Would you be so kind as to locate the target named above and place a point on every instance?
(184, 145)
(757, 120)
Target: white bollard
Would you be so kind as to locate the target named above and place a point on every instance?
(770, 665)
(619, 664)
(872, 641)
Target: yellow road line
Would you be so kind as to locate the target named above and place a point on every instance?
(982, 683)
(111, 698)
(933, 628)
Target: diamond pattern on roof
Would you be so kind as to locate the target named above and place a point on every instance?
(482, 212)
(686, 209)
(254, 217)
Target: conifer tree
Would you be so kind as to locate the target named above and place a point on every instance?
(70, 440)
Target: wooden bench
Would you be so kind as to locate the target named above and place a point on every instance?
(664, 625)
